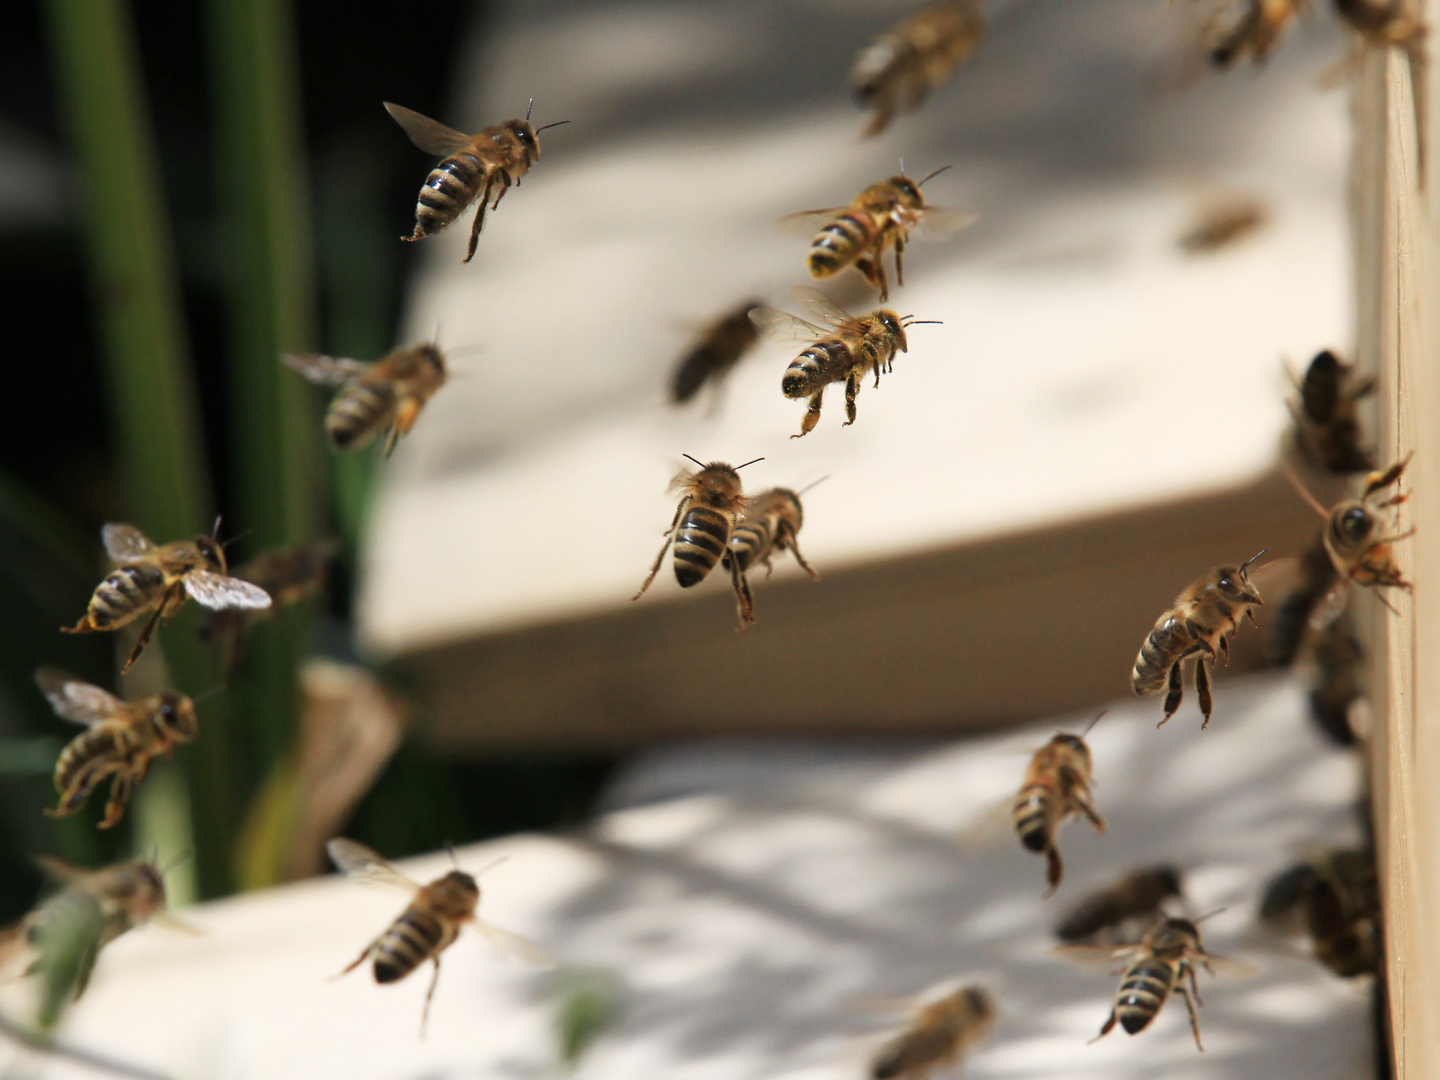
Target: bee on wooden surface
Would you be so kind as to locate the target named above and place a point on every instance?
(842, 350)
(711, 505)
(1221, 224)
(157, 579)
(938, 1034)
(771, 526)
(1198, 624)
(1314, 578)
(1359, 555)
(1163, 962)
(1338, 656)
(723, 344)
(1327, 429)
(1337, 896)
(1248, 28)
(120, 741)
(430, 924)
(289, 574)
(475, 166)
(1056, 788)
(882, 216)
(384, 396)
(897, 72)
(1139, 895)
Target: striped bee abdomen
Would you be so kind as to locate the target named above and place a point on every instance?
(359, 411)
(699, 543)
(124, 594)
(451, 186)
(413, 938)
(1032, 815)
(750, 542)
(1142, 992)
(840, 243)
(812, 369)
(1162, 649)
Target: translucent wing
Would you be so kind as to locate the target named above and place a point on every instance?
(1276, 577)
(218, 592)
(938, 222)
(429, 135)
(76, 701)
(990, 827)
(809, 222)
(514, 946)
(325, 370)
(1331, 605)
(782, 326)
(60, 871)
(1227, 967)
(125, 543)
(365, 865)
(1108, 957)
(817, 304)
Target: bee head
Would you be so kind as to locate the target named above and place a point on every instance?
(431, 354)
(909, 190)
(457, 893)
(177, 716)
(139, 889)
(893, 326)
(1073, 742)
(1353, 524)
(978, 1002)
(787, 504)
(1169, 880)
(1233, 583)
(212, 554)
(525, 136)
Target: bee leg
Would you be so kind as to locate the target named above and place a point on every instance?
(1194, 986)
(1176, 693)
(119, 796)
(143, 639)
(659, 559)
(900, 259)
(1109, 1026)
(812, 414)
(84, 626)
(1054, 869)
(365, 955)
(475, 228)
(434, 981)
(1194, 1016)
(744, 601)
(78, 793)
(852, 387)
(794, 547)
(1202, 688)
(1088, 809)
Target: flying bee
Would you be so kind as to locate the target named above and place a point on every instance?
(1327, 431)
(881, 216)
(1056, 788)
(1139, 895)
(1248, 28)
(711, 505)
(1199, 622)
(119, 743)
(1359, 555)
(938, 1034)
(771, 525)
(151, 578)
(841, 351)
(723, 344)
(1221, 224)
(897, 72)
(289, 574)
(474, 167)
(1336, 894)
(430, 924)
(386, 395)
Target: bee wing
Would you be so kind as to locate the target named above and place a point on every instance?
(807, 223)
(816, 303)
(782, 326)
(325, 370)
(76, 701)
(1331, 605)
(989, 827)
(938, 222)
(125, 543)
(60, 871)
(1278, 576)
(1111, 957)
(365, 865)
(218, 592)
(1229, 968)
(429, 135)
(513, 945)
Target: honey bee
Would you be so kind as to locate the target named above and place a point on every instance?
(1199, 622)
(289, 574)
(1139, 895)
(711, 505)
(1337, 895)
(1056, 788)
(1222, 224)
(474, 167)
(430, 924)
(1338, 656)
(1384, 22)
(938, 1034)
(1327, 431)
(384, 396)
(771, 525)
(897, 72)
(151, 578)
(1358, 554)
(1163, 961)
(841, 351)
(119, 743)
(1315, 577)
(881, 216)
(1248, 28)
(723, 344)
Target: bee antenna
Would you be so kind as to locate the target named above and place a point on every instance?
(1089, 727)
(902, 166)
(207, 694)
(547, 127)
(436, 339)
(461, 350)
(813, 483)
(1302, 490)
(934, 174)
(1252, 558)
(528, 108)
(1209, 915)
(750, 462)
(233, 539)
(923, 322)
(176, 861)
(696, 460)
(215, 529)
(451, 849)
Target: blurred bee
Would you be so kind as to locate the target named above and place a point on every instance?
(1056, 788)
(1139, 895)
(1315, 577)
(1338, 656)
(289, 574)
(121, 739)
(386, 395)
(939, 1033)
(1248, 28)
(1327, 431)
(1163, 961)
(771, 526)
(841, 351)
(474, 167)
(1222, 224)
(1358, 554)
(711, 504)
(1384, 22)
(430, 925)
(897, 72)
(881, 216)
(1337, 896)
(151, 578)
(723, 344)
(1199, 622)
